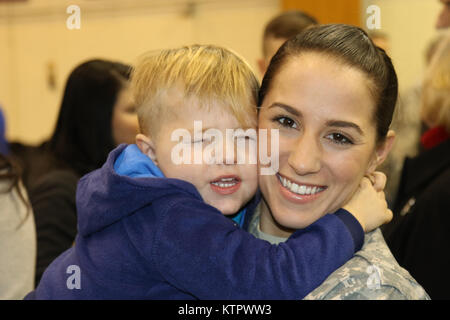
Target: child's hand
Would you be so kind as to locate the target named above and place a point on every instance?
(378, 180)
(368, 206)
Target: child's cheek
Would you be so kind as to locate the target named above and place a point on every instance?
(252, 178)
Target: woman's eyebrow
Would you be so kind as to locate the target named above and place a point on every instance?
(344, 124)
(289, 109)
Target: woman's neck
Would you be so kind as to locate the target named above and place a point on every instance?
(268, 224)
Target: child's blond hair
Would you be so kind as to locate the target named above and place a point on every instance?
(209, 73)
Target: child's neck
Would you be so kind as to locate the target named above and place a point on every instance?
(268, 225)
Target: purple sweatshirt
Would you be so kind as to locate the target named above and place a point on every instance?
(142, 236)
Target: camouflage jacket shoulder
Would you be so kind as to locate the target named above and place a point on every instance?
(372, 274)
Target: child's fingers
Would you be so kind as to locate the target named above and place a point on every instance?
(389, 215)
(371, 177)
(379, 180)
(365, 183)
(381, 194)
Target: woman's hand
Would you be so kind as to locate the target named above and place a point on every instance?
(368, 205)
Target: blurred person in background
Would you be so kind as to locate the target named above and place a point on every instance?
(443, 20)
(418, 236)
(17, 234)
(282, 27)
(408, 127)
(381, 40)
(97, 114)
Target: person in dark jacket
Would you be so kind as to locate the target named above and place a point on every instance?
(418, 234)
(97, 114)
(151, 227)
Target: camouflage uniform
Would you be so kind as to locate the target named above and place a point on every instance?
(372, 273)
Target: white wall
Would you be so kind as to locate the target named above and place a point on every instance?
(34, 34)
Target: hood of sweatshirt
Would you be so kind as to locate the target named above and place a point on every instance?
(114, 191)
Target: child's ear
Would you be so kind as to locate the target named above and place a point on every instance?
(382, 151)
(147, 147)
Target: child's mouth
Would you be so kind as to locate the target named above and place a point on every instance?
(226, 184)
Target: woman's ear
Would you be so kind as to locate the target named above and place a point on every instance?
(382, 151)
(147, 147)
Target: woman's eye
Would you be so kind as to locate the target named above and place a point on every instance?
(287, 122)
(339, 138)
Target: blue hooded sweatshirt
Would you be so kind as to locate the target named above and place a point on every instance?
(143, 236)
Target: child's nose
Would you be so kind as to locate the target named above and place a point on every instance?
(230, 152)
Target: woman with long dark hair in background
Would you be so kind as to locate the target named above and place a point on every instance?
(97, 113)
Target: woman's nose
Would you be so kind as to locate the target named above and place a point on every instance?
(306, 155)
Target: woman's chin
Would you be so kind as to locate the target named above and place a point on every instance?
(294, 220)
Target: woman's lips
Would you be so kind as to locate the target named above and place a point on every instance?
(226, 184)
(299, 192)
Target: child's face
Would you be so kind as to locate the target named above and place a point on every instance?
(226, 187)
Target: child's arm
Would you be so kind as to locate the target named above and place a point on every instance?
(201, 252)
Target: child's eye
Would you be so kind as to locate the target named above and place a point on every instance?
(286, 122)
(245, 138)
(339, 138)
(203, 140)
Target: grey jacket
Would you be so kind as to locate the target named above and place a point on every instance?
(372, 273)
(17, 245)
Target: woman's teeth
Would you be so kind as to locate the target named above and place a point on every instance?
(299, 189)
(225, 183)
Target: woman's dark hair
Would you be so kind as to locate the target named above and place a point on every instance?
(10, 172)
(83, 133)
(351, 46)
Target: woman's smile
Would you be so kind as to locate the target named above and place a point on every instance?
(298, 192)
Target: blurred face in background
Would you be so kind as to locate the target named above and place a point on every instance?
(271, 46)
(443, 20)
(125, 125)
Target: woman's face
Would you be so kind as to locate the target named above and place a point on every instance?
(125, 124)
(324, 113)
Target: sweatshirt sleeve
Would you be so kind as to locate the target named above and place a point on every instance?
(201, 252)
